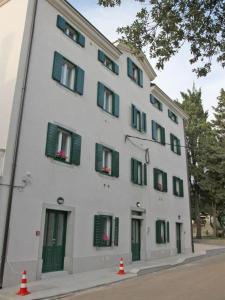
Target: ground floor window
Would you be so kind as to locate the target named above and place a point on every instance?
(106, 231)
(162, 232)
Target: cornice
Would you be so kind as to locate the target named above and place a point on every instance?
(82, 24)
(158, 93)
(2, 2)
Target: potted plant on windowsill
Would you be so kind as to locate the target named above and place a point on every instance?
(60, 155)
(106, 170)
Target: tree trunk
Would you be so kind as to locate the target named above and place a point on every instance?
(197, 214)
(214, 220)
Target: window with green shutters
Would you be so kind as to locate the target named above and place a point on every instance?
(63, 145)
(108, 100)
(156, 103)
(160, 180)
(134, 72)
(138, 172)
(106, 161)
(138, 119)
(107, 62)
(158, 133)
(70, 31)
(178, 187)
(162, 232)
(68, 74)
(175, 144)
(103, 231)
(172, 116)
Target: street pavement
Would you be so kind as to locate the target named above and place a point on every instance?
(200, 280)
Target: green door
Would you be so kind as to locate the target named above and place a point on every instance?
(136, 239)
(54, 241)
(178, 234)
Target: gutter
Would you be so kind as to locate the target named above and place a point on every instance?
(16, 148)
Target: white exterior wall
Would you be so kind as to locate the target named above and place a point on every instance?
(85, 191)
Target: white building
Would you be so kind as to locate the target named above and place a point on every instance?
(81, 181)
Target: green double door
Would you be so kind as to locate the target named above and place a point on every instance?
(136, 239)
(54, 241)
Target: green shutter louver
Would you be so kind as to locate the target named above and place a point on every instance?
(81, 40)
(158, 232)
(79, 82)
(52, 140)
(116, 69)
(57, 66)
(181, 187)
(144, 122)
(116, 105)
(145, 175)
(178, 147)
(174, 186)
(134, 170)
(133, 116)
(155, 175)
(164, 182)
(163, 136)
(172, 142)
(115, 164)
(61, 23)
(140, 78)
(98, 157)
(100, 96)
(152, 99)
(98, 230)
(129, 67)
(154, 130)
(101, 56)
(116, 232)
(76, 149)
(167, 231)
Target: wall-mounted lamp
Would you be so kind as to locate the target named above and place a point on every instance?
(60, 200)
(138, 204)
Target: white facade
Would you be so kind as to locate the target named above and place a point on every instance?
(85, 192)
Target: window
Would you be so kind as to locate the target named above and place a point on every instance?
(106, 161)
(162, 232)
(175, 144)
(138, 172)
(71, 32)
(160, 180)
(107, 62)
(178, 189)
(63, 145)
(68, 74)
(108, 100)
(156, 103)
(103, 231)
(138, 119)
(158, 133)
(172, 116)
(135, 73)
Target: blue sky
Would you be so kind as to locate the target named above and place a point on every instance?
(177, 75)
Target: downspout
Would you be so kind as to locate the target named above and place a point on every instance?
(16, 148)
(189, 194)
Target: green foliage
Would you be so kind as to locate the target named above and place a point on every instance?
(165, 25)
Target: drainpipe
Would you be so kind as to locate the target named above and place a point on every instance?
(16, 148)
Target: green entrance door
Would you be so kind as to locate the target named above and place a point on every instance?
(54, 241)
(136, 239)
(178, 234)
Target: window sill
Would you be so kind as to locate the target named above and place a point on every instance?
(108, 113)
(108, 69)
(133, 80)
(61, 163)
(67, 88)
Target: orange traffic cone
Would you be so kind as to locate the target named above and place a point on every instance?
(23, 286)
(121, 269)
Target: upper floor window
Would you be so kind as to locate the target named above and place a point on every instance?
(158, 133)
(178, 189)
(172, 116)
(106, 61)
(71, 32)
(138, 172)
(156, 103)
(175, 144)
(108, 100)
(106, 161)
(138, 119)
(68, 74)
(134, 72)
(160, 180)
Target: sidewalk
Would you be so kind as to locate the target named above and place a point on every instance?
(68, 284)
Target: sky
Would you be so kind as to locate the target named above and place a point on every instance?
(177, 74)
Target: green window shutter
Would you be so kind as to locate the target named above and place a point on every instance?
(145, 174)
(101, 56)
(76, 149)
(160, 106)
(164, 182)
(158, 232)
(98, 157)
(140, 77)
(181, 186)
(163, 137)
(144, 122)
(174, 185)
(133, 116)
(154, 130)
(81, 40)
(100, 97)
(115, 163)
(170, 114)
(57, 66)
(129, 67)
(152, 99)
(61, 23)
(98, 230)
(178, 147)
(167, 231)
(172, 142)
(52, 140)
(79, 82)
(134, 170)
(116, 232)
(116, 105)
(155, 175)
(115, 68)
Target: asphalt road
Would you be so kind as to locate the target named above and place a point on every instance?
(203, 279)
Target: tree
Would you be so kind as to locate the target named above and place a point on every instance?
(165, 25)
